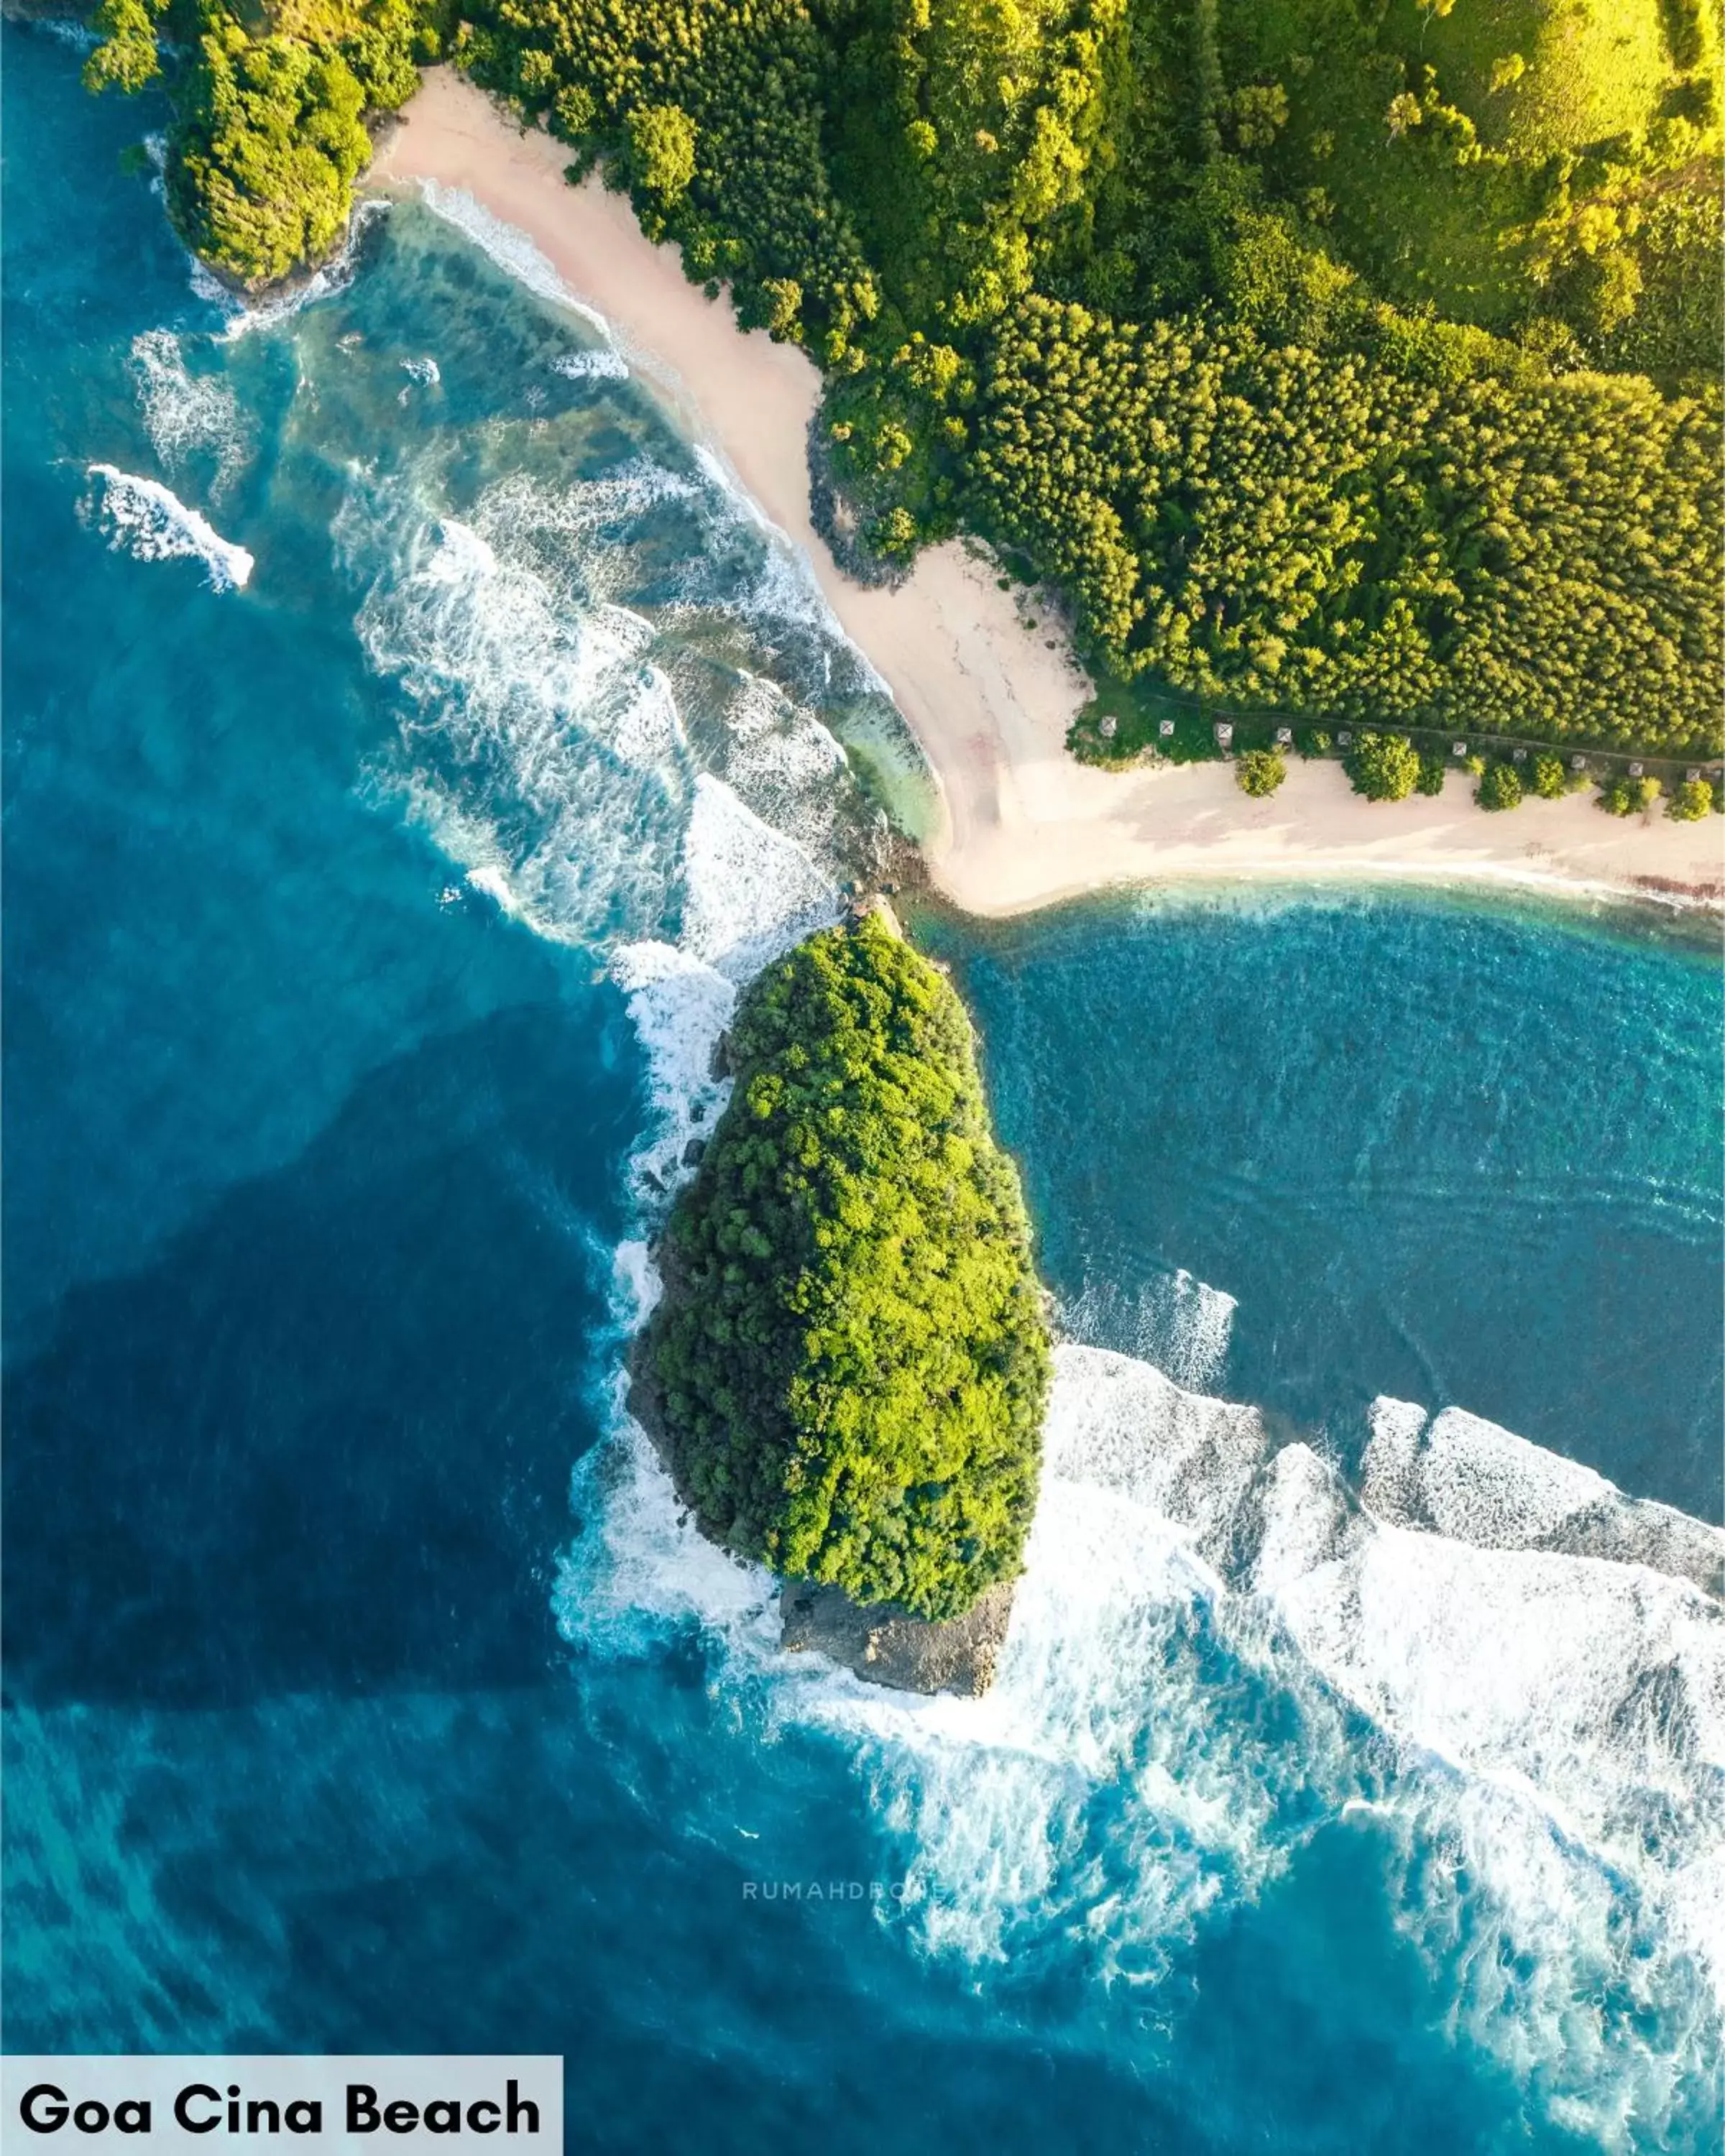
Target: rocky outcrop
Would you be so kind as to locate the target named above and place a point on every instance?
(887, 1645)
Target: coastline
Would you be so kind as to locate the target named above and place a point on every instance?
(1022, 823)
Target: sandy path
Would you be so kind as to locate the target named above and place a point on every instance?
(1023, 824)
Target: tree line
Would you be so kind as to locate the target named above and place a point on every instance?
(1061, 295)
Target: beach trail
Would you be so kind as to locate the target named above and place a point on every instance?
(988, 695)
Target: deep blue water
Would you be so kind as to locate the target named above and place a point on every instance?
(357, 929)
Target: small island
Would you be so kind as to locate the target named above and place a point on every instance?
(847, 1373)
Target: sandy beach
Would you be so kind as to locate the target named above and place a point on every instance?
(989, 698)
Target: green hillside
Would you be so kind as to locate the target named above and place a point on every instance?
(1353, 358)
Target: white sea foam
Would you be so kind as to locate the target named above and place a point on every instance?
(187, 412)
(680, 1006)
(424, 371)
(79, 35)
(1545, 1794)
(547, 741)
(1472, 1480)
(750, 892)
(147, 521)
(510, 249)
(549, 748)
(603, 365)
(1178, 1321)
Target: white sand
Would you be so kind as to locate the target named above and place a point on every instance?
(1023, 824)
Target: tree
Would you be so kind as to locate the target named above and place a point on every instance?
(662, 140)
(262, 160)
(1692, 800)
(1499, 786)
(1405, 111)
(850, 1359)
(1551, 781)
(127, 57)
(1433, 772)
(1627, 797)
(1259, 772)
(1384, 767)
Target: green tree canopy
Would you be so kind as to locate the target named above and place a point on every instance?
(1499, 786)
(1259, 772)
(851, 1360)
(662, 140)
(1384, 767)
(270, 142)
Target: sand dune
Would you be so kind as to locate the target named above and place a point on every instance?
(990, 699)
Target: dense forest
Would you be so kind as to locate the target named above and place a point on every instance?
(1350, 359)
(851, 1360)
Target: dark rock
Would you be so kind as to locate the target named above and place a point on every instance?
(719, 1067)
(886, 1645)
(694, 1152)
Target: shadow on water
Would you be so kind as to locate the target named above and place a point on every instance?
(324, 1441)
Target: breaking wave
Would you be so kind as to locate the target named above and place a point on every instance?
(149, 522)
(603, 365)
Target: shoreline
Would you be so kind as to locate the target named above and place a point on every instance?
(1021, 823)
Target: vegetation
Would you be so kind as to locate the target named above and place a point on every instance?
(851, 1359)
(1259, 772)
(1551, 781)
(1353, 361)
(1691, 801)
(1628, 797)
(1384, 767)
(268, 134)
(1499, 786)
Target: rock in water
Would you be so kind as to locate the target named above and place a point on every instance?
(887, 1645)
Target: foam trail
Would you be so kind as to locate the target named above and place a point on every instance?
(183, 411)
(152, 524)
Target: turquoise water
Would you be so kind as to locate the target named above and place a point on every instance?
(1448, 1150)
(404, 763)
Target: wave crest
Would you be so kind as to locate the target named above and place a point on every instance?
(149, 522)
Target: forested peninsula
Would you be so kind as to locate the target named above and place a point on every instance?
(1353, 361)
(847, 1371)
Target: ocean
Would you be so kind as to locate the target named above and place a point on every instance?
(411, 744)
